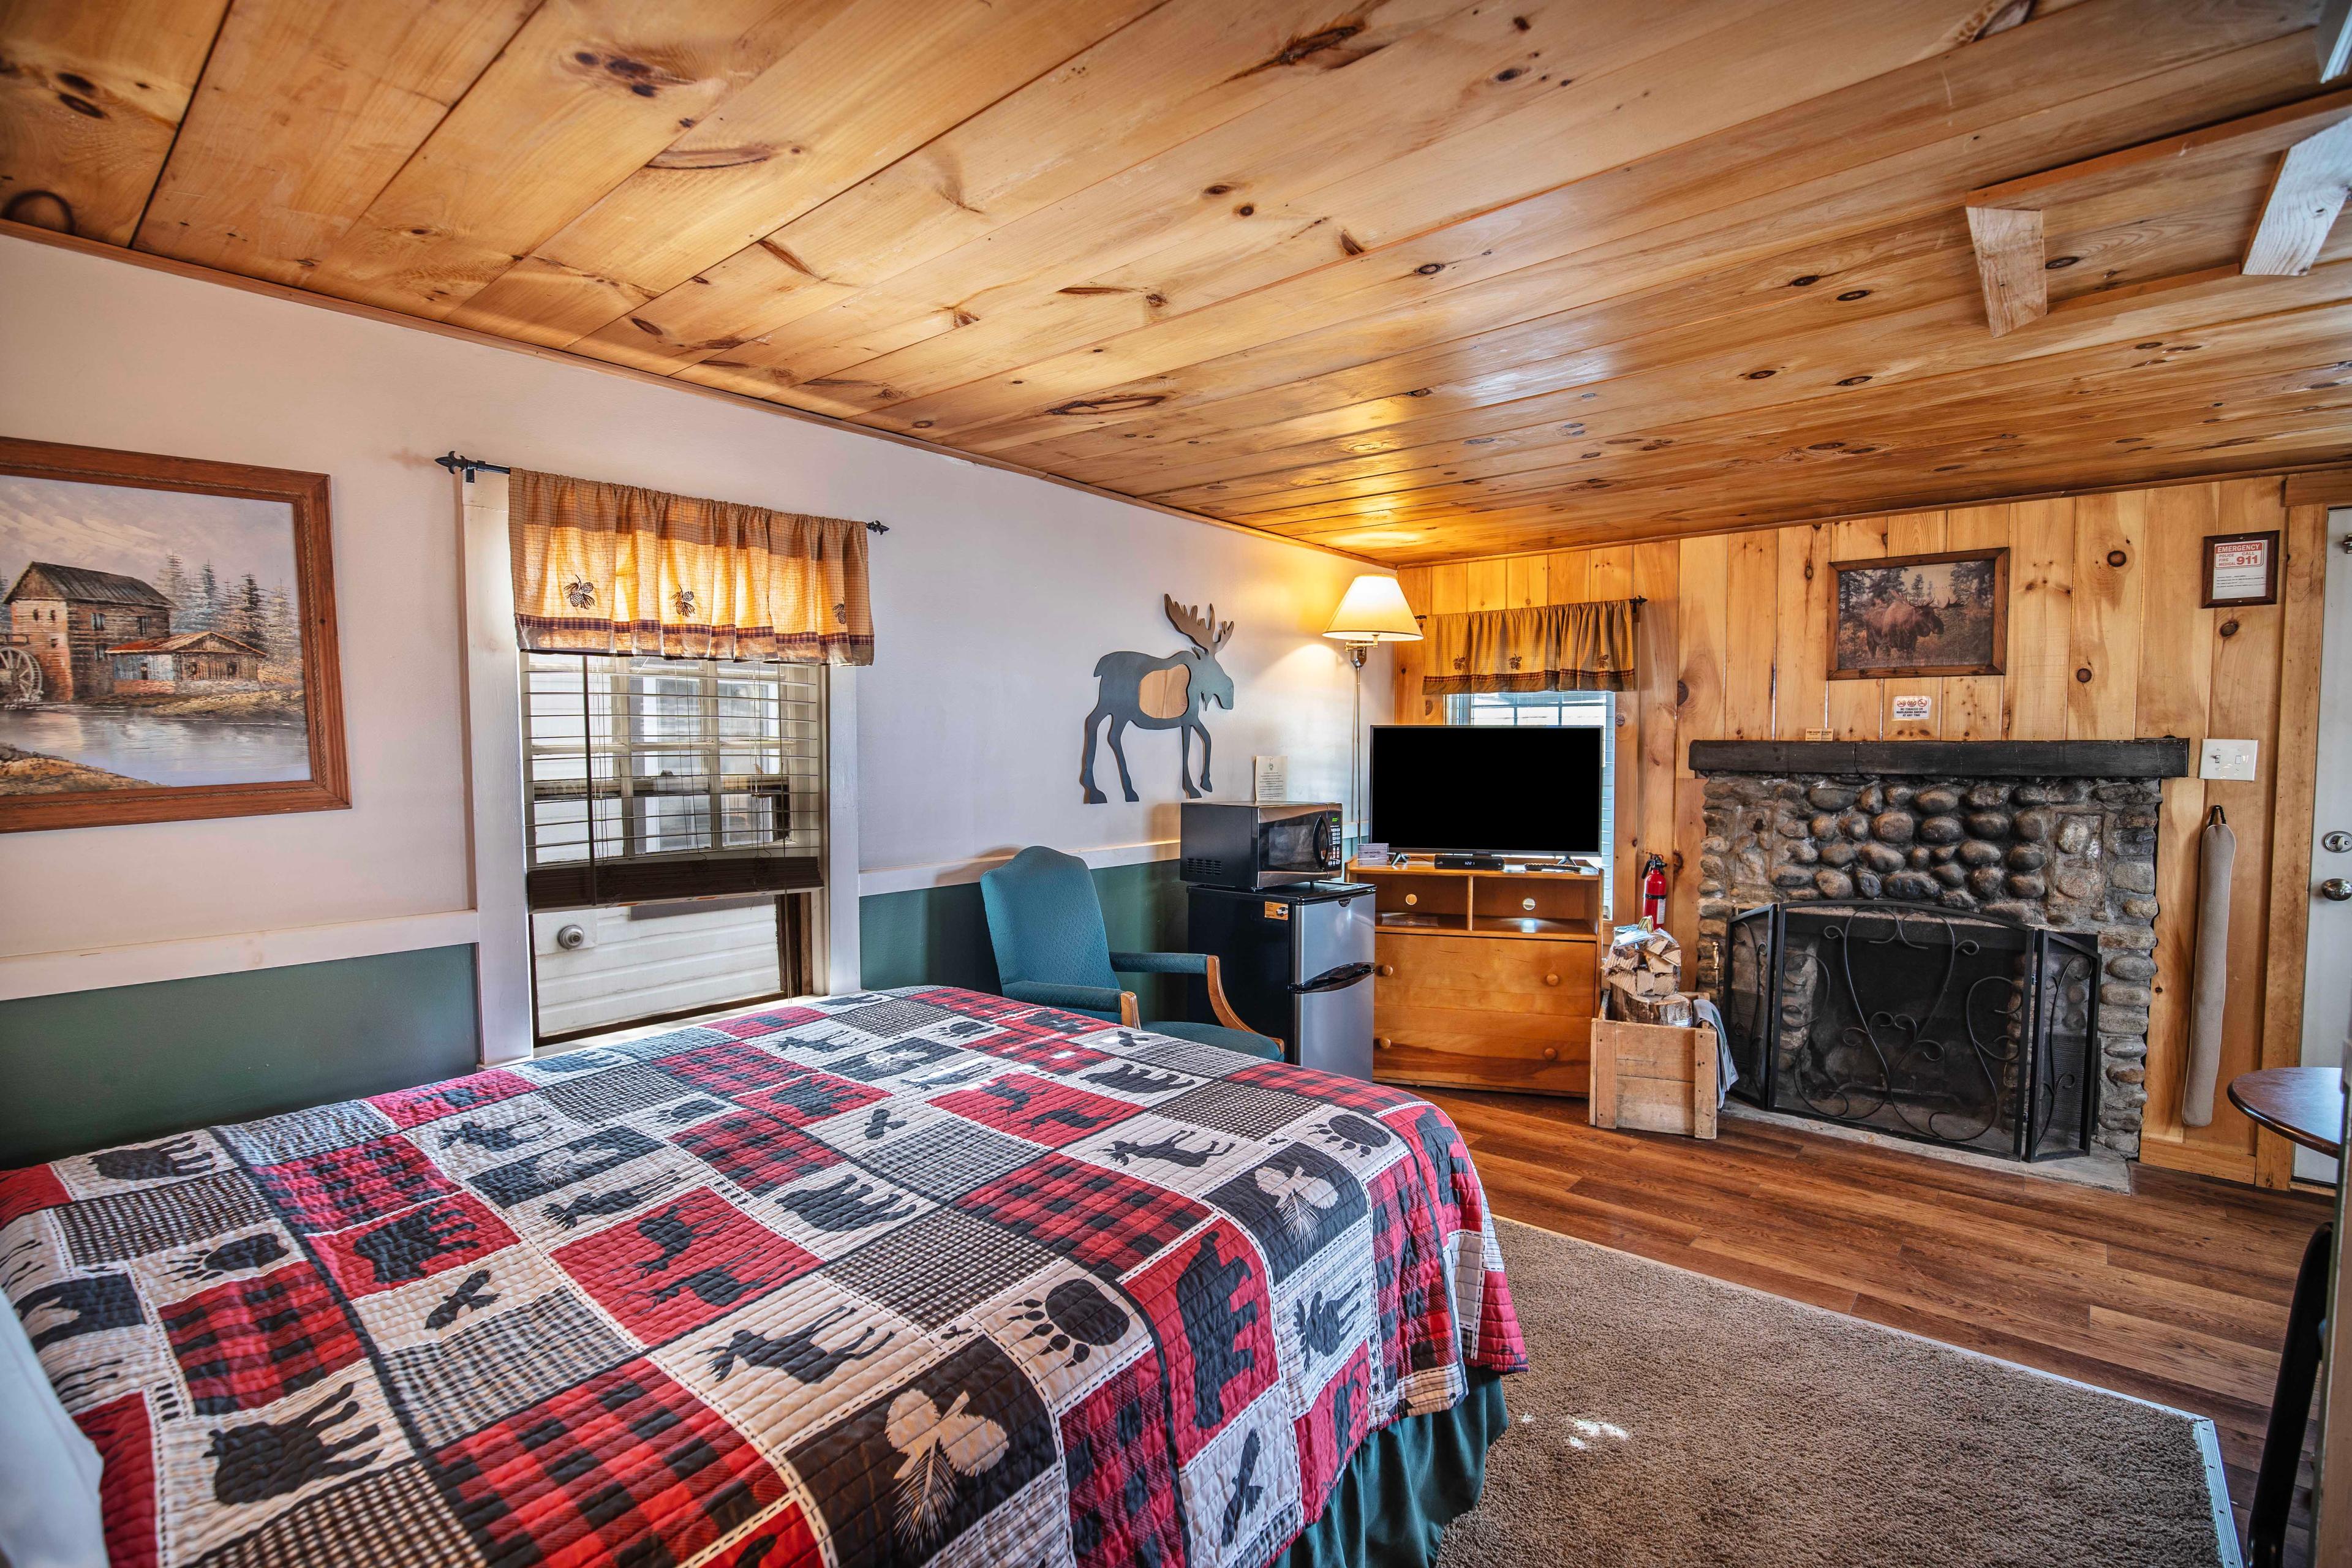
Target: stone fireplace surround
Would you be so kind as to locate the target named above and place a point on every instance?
(2056, 833)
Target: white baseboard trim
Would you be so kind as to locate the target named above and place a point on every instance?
(950, 873)
(101, 968)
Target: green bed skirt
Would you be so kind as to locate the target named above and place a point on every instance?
(1403, 1488)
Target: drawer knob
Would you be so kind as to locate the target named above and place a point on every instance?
(1551, 979)
(1412, 898)
(1386, 970)
(1552, 1053)
(1380, 1042)
(1527, 904)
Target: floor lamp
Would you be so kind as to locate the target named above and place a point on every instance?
(1372, 611)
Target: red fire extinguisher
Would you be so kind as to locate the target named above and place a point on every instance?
(1654, 891)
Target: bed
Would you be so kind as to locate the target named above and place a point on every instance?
(893, 1278)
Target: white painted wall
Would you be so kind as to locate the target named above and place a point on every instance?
(993, 595)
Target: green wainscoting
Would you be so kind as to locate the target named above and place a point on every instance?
(939, 936)
(88, 1068)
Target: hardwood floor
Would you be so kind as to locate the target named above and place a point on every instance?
(2176, 1293)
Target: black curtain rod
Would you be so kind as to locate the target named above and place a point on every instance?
(472, 466)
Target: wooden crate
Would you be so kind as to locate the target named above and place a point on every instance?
(1653, 1077)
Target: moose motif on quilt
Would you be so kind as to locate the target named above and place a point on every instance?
(1165, 693)
(893, 1278)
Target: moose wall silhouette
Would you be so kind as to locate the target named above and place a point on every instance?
(1160, 694)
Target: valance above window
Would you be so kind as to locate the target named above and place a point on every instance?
(604, 568)
(1549, 648)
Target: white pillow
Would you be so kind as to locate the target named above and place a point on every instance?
(48, 1470)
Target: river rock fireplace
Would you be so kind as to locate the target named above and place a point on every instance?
(1948, 941)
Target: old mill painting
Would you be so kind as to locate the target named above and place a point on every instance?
(166, 639)
(1921, 615)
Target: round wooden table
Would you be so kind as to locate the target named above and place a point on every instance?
(2304, 1105)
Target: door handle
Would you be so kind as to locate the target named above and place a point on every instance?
(1337, 979)
(2336, 890)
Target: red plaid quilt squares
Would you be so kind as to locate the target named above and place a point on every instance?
(414, 1107)
(1500, 1346)
(729, 1070)
(251, 1342)
(28, 1191)
(1107, 1221)
(1409, 1262)
(1329, 1431)
(444, 1234)
(1041, 1045)
(1207, 1299)
(625, 1467)
(1122, 1487)
(756, 1026)
(123, 1435)
(677, 1267)
(1036, 1109)
(344, 1186)
(895, 1277)
(811, 1095)
(1456, 1198)
(783, 1541)
(756, 1152)
(1326, 1088)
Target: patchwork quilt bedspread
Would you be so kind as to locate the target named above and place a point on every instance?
(900, 1278)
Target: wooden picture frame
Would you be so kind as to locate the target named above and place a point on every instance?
(235, 671)
(1865, 597)
(2215, 563)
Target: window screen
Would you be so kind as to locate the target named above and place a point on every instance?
(657, 778)
(1595, 709)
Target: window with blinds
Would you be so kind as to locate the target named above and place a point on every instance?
(661, 778)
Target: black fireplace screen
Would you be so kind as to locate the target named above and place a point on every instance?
(1954, 1028)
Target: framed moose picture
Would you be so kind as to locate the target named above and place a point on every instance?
(167, 640)
(1921, 615)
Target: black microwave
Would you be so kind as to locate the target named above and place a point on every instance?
(1236, 843)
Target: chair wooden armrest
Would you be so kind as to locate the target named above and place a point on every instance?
(1217, 1002)
(1130, 1017)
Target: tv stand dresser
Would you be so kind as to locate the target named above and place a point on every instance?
(1483, 979)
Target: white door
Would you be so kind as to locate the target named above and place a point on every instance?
(2327, 969)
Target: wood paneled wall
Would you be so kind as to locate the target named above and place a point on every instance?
(1735, 641)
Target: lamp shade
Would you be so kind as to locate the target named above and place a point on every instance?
(1374, 611)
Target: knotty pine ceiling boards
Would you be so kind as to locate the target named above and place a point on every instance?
(1417, 279)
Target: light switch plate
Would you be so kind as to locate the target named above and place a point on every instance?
(2226, 760)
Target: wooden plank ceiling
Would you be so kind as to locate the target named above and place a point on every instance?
(1413, 277)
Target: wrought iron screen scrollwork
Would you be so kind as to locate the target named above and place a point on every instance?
(1943, 1025)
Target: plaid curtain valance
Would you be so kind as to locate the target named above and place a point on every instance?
(605, 568)
(1549, 648)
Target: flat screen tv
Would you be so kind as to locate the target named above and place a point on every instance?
(1470, 789)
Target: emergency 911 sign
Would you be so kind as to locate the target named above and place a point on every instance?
(2241, 568)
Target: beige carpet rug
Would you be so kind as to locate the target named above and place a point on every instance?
(1669, 1419)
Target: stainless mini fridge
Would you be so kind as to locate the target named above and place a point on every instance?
(1297, 965)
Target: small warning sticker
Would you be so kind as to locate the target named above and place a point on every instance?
(1914, 708)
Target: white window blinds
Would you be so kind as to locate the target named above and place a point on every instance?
(664, 778)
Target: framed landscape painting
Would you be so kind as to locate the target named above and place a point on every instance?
(167, 640)
(1921, 615)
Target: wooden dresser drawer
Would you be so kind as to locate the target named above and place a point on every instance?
(1483, 1011)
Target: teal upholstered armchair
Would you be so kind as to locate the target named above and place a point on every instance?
(1047, 926)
